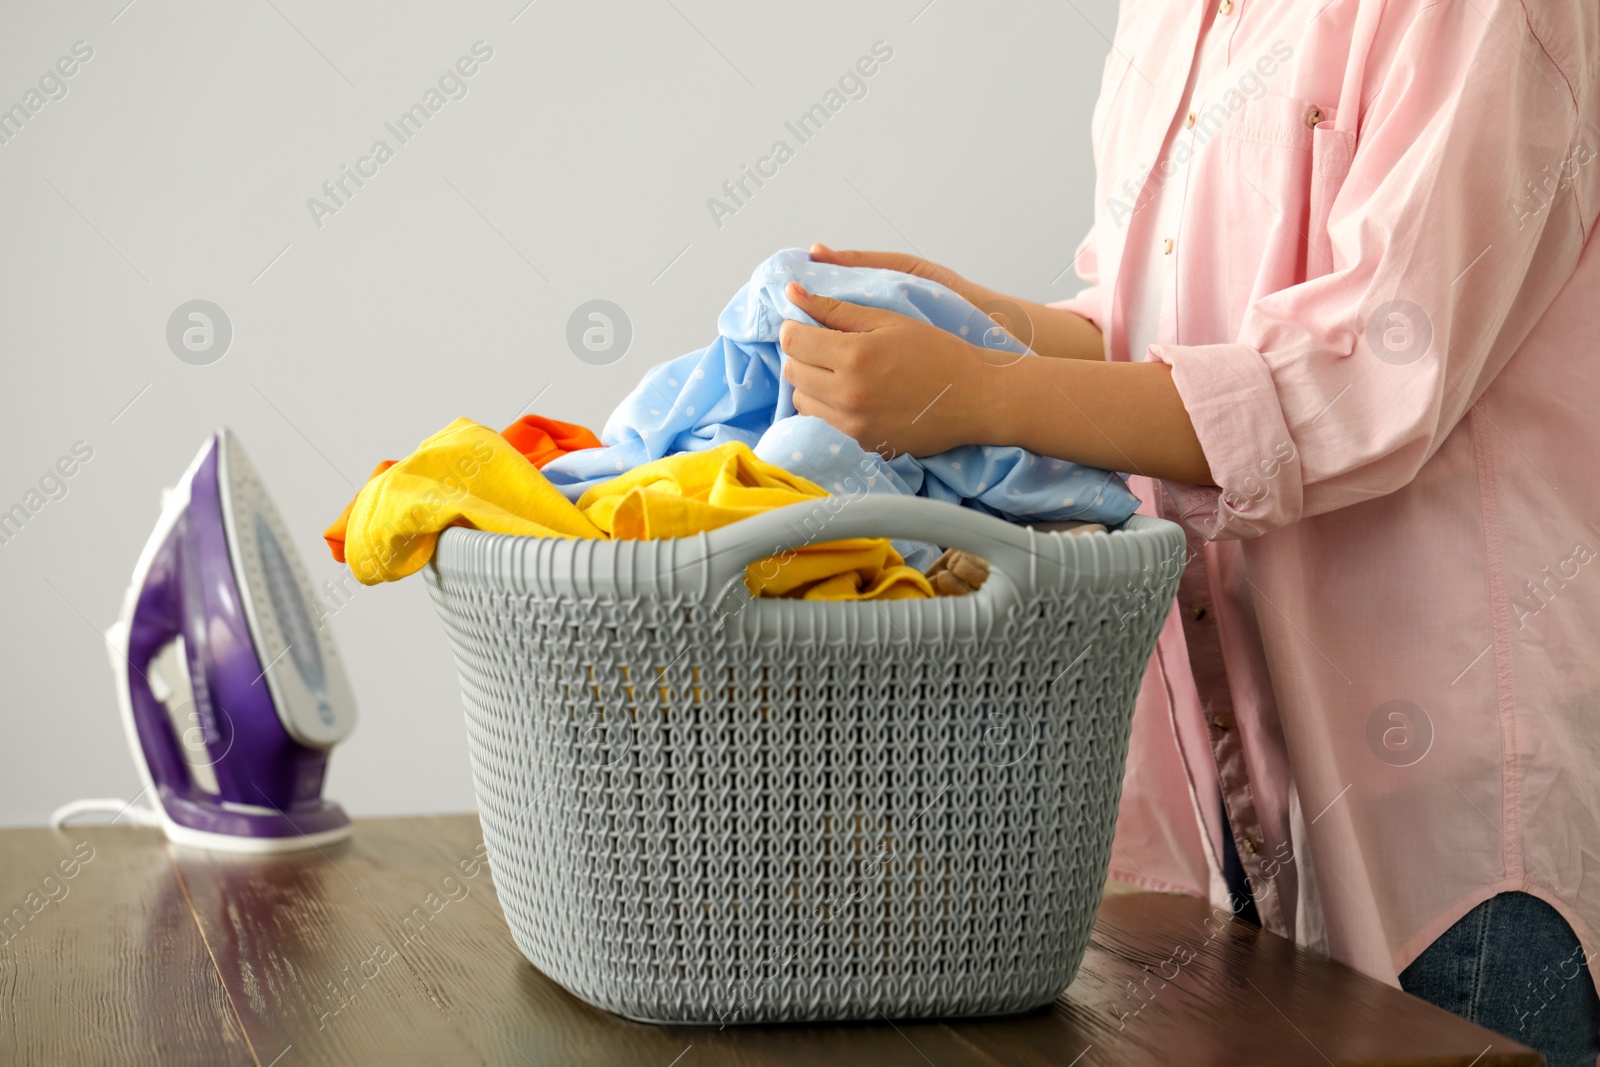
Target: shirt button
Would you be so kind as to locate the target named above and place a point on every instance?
(1250, 845)
(1313, 117)
(1226, 7)
(1190, 120)
(1166, 246)
(1197, 612)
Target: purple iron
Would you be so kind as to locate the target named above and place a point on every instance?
(231, 692)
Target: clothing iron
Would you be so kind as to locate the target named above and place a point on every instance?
(231, 693)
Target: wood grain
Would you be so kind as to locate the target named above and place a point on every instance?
(104, 964)
(392, 948)
(296, 939)
(1168, 980)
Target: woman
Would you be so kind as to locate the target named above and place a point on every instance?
(1344, 329)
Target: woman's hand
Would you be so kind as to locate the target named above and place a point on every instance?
(894, 384)
(1046, 330)
(905, 263)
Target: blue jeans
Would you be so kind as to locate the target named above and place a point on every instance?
(1514, 966)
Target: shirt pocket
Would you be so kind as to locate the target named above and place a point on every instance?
(1331, 152)
(1290, 153)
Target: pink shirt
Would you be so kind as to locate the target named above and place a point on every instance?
(1382, 310)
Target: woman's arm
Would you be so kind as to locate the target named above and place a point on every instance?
(1049, 331)
(1118, 416)
(898, 385)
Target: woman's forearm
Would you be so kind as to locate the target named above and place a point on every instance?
(1120, 416)
(899, 385)
(1049, 331)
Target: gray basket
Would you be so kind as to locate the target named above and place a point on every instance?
(703, 807)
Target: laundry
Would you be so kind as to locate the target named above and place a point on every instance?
(733, 390)
(468, 475)
(957, 573)
(537, 438)
(464, 475)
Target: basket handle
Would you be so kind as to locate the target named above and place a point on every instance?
(1023, 555)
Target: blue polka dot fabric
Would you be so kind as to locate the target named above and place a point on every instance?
(732, 390)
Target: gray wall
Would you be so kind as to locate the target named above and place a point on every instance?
(178, 164)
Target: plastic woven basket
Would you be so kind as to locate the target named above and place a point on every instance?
(704, 807)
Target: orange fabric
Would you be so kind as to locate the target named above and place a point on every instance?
(539, 439)
(542, 439)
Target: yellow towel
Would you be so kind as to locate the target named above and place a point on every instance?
(468, 475)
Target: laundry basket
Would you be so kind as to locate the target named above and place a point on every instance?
(703, 807)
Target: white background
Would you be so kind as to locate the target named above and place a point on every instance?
(178, 166)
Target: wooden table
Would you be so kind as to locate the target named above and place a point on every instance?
(148, 953)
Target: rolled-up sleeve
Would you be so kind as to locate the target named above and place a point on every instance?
(1436, 259)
